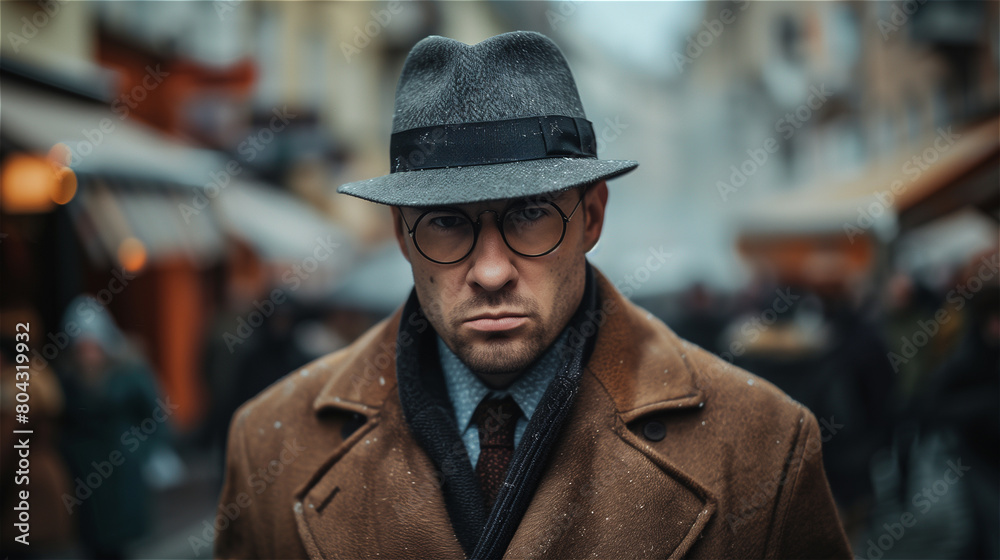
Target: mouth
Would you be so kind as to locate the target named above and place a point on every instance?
(495, 322)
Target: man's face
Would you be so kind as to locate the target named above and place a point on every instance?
(497, 310)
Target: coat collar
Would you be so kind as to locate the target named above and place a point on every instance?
(366, 374)
(638, 360)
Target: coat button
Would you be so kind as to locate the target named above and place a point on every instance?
(654, 430)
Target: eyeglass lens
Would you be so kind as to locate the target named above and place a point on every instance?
(530, 229)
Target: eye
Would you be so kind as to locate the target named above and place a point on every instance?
(529, 214)
(447, 221)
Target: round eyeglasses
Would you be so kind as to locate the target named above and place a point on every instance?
(531, 228)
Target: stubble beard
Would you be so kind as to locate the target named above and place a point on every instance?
(502, 353)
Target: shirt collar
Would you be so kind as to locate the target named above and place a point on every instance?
(466, 391)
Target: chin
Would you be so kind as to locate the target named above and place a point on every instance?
(499, 355)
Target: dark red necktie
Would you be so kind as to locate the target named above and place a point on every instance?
(496, 420)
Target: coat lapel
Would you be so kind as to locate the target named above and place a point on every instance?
(377, 494)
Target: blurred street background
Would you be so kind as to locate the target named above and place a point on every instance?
(817, 201)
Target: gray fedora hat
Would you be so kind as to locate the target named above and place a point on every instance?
(498, 119)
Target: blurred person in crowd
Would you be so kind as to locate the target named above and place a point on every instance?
(114, 421)
(909, 301)
(701, 321)
(52, 533)
(963, 398)
(853, 389)
(238, 283)
(516, 405)
(950, 432)
(274, 354)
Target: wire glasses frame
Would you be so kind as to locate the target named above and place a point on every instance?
(499, 218)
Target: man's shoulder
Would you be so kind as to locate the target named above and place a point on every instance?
(732, 417)
(735, 389)
(718, 381)
(337, 375)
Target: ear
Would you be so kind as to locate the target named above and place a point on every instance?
(594, 203)
(401, 234)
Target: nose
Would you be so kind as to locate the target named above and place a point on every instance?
(492, 267)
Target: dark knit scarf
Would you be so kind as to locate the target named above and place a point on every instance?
(485, 534)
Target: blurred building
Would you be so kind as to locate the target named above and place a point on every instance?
(123, 178)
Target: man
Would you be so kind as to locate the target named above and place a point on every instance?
(517, 405)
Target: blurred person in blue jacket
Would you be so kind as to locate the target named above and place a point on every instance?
(113, 421)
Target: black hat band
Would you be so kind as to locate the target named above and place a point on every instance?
(482, 143)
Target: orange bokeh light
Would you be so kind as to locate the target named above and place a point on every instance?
(26, 184)
(30, 183)
(64, 187)
(132, 254)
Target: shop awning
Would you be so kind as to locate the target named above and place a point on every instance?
(112, 214)
(823, 232)
(140, 191)
(962, 174)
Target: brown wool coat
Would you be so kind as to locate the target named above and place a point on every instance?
(669, 452)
